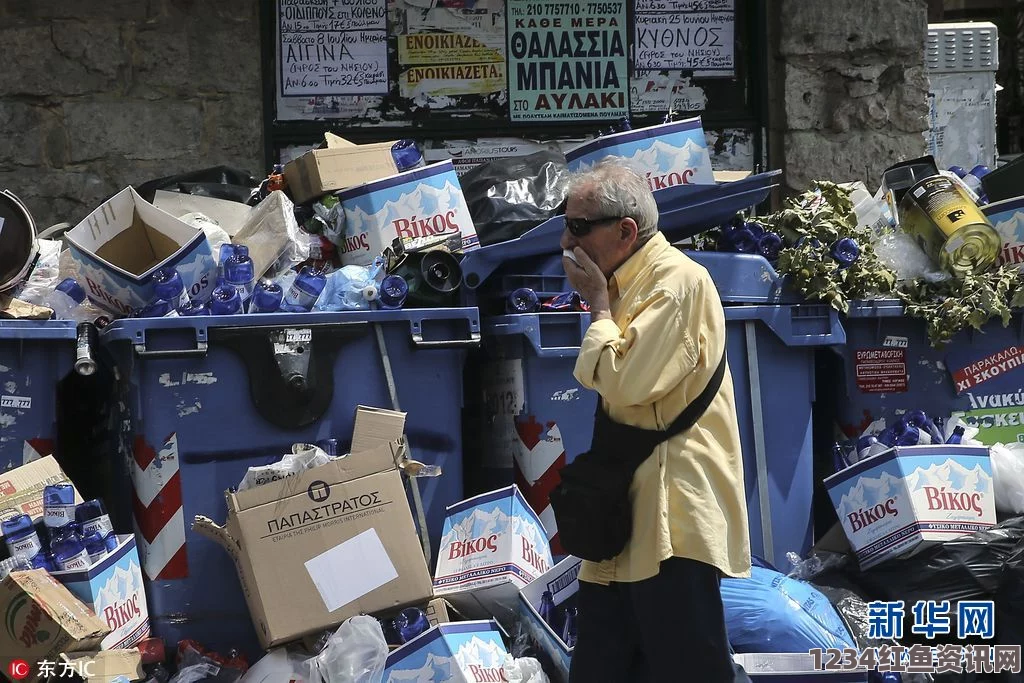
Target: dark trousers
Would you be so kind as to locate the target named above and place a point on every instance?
(665, 629)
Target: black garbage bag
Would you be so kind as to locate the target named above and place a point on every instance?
(219, 182)
(508, 197)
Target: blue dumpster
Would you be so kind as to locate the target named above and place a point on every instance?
(889, 367)
(206, 398)
(34, 356)
(534, 406)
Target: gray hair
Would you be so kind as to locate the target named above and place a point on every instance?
(615, 189)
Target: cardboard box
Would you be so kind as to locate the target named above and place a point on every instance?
(21, 489)
(113, 590)
(468, 652)
(43, 619)
(119, 246)
(897, 501)
(563, 583)
(107, 665)
(668, 154)
(319, 547)
(493, 545)
(1007, 217)
(341, 165)
(422, 206)
(229, 215)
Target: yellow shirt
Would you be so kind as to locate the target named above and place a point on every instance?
(648, 363)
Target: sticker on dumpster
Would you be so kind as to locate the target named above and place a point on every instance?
(892, 342)
(967, 376)
(16, 402)
(302, 335)
(881, 371)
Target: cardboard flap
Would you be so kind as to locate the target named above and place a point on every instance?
(204, 526)
(337, 142)
(109, 664)
(353, 466)
(376, 426)
(60, 604)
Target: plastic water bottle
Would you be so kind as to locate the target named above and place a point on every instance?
(920, 419)
(193, 307)
(957, 436)
(865, 444)
(169, 287)
(744, 240)
(266, 298)
(13, 564)
(407, 155)
(410, 623)
(225, 301)
(913, 436)
(92, 518)
(227, 250)
(569, 629)
(95, 546)
(547, 608)
(64, 299)
(330, 447)
(845, 252)
(158, 308)
(20, 537)
(58, 506)
(44, 560)
(304, 292)
(624, 125)
(239, 272)
(522, 300)
(69, 551)
(769, 246)
(393, 291)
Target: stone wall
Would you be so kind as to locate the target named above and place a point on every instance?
(97, 95)
(848, 91)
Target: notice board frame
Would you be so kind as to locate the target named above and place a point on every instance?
(752, 89)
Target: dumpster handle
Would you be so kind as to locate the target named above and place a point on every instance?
(473, 341)
(760, 458)
(200, 350)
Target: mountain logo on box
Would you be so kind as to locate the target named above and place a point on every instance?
(865, 517)
(23, 618)
(434, 669)
(483, 659)
(319, 491)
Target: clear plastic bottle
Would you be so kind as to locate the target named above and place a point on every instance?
(91, 516)
(65, 299)
(225, 301)
(58, 506)
(14, 564)
(522, 300)
(266, 298)
(193, 307)
(68, 551)
(957, 436)
(20, 536)
(410, 623)
(304, 292)
(95, 547)
(169, 287)
(393, 291)
(240, 272)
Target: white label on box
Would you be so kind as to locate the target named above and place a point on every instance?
(350, 570)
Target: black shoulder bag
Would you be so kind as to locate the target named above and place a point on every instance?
(591, 503)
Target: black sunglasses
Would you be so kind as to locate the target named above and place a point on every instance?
(580, 227)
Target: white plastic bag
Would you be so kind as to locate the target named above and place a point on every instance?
(303, 457)
(273, 235)
(899, 252)
(1008, 477)
(524, 670)
(354, 654)
(45, 274)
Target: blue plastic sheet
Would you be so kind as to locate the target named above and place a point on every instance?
(770, 612)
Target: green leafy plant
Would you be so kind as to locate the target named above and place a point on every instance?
(813, 224)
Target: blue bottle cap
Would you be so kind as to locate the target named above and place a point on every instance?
(958, 171)
(168, 284)
(72, 289)
(769, 245)
(523, 300)
(406, 154)
(266, 298)
(410, 623)
(225, 301)
(980, 171)
(393, 291)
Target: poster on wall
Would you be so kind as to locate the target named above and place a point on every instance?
(332, 47)
(450, 51)
(697, 35)
(663, 91)
(567, 60)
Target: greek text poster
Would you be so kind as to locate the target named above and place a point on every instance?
(333, 47)
(567, 60)
(449, 51)
(697, 35)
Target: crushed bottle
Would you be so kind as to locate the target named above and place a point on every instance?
(304, 291)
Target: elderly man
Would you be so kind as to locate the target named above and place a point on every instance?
(655, 347)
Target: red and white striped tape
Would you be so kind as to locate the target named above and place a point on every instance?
(539, 457)
(159, 510)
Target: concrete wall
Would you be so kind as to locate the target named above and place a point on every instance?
(99, 94)
(848, 91)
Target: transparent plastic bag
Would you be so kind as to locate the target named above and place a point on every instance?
(272, 235)
(899, 252)
(44, 276)
(1008, 477)
(350, 288)
(354, 654)
(815, 563)
(524, 670)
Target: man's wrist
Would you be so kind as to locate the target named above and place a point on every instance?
(600, 311)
